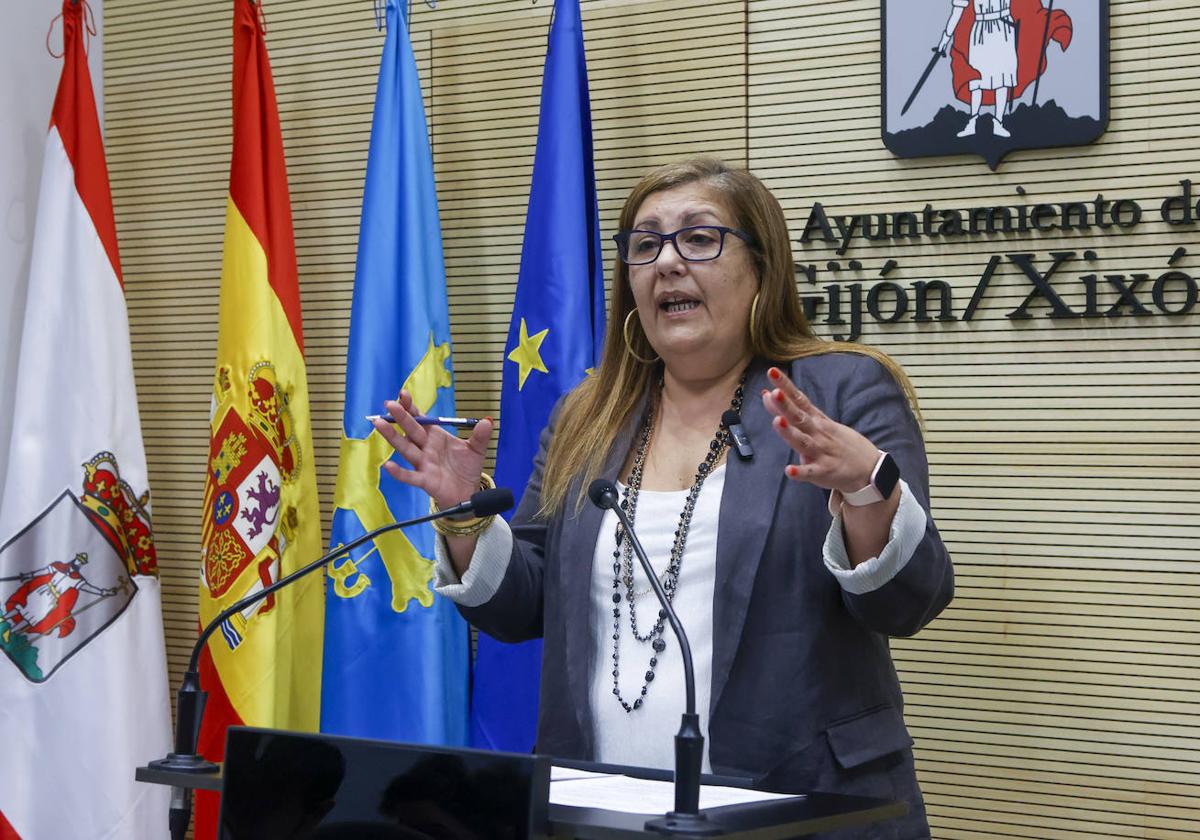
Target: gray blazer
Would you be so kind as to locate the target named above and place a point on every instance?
(804, 693)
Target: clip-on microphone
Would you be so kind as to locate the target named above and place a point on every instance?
(732, 421)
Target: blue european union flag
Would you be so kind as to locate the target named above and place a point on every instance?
(555, 336)
(397, 657)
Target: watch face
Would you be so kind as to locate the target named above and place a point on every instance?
(886, 476)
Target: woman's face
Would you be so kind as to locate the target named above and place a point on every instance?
(694, 312)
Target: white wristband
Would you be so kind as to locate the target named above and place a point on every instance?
(870, 494)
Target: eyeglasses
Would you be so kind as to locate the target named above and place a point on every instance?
(698, 243)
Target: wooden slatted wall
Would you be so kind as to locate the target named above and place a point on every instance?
(1056, 697)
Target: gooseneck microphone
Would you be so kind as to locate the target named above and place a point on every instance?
(732, 421)
(686, 819)
(190, 699)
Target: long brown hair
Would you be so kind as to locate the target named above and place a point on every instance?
(596, 410)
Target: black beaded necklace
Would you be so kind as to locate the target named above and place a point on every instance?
(623, 553)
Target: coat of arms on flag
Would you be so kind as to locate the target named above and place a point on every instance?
(989, 77)
(70, 573)
(252, 453)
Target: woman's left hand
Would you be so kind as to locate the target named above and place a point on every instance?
(832, 456)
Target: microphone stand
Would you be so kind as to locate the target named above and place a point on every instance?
(189, 702)
(686, 819)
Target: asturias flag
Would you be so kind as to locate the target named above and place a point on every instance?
(397, 657)
(555, 337)
(83, 691)
(260, 518)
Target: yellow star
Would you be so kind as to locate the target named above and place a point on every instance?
(527, 353)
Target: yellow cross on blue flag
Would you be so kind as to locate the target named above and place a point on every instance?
(397, 656)
(555, 337)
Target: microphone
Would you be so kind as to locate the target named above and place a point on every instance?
(481, 504)
(689, 742)
(732, 421)
(190, 699)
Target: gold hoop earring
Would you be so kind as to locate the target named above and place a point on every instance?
(629, 344)
(753, 331)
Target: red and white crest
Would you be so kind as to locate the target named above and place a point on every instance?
(989, 77)
(62, 581)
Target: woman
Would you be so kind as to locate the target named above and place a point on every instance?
(787, 611)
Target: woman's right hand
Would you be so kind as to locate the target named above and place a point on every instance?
(444, 465)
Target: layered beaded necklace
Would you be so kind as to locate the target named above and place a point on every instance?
(623, 553)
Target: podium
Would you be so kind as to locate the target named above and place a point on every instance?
(278, 784)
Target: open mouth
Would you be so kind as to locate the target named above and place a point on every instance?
(677, 304)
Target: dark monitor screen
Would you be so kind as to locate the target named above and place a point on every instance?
(295, 786)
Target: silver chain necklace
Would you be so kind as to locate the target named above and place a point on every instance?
(623, 553)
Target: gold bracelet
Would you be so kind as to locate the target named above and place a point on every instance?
(463, 527)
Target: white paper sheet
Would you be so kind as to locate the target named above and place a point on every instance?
(642, 796)
(563, 774)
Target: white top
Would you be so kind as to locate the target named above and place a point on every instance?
(623, 738)
(645, 737)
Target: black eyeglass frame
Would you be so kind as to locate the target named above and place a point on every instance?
(622, 240)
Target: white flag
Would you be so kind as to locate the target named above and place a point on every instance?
(83, 685)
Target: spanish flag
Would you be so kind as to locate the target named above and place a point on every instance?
(260, 518)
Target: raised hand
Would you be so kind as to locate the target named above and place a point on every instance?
(832, 455)
(444, 465)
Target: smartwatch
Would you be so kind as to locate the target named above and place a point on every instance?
(884, 478)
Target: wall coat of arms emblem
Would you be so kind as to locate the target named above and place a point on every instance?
(988, 77)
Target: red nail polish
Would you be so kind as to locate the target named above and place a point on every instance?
(783, 423)
(778, 395)
(774, 373)
(792, 471)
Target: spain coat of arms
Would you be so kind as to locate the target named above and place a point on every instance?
(253, 454)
